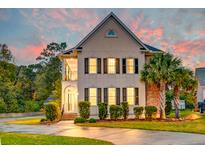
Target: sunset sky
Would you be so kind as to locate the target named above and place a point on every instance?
(179, 31)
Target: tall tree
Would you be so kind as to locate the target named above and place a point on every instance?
(157, 71)
(5, 53)
(180, 78)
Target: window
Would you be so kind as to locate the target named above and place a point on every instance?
(111, 33)
(92, 65)
(111, 96)
(130, 96)
(130, 65)
(111, 66)
(93, 96)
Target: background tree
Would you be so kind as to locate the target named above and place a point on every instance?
(157, 71)
(5, 53)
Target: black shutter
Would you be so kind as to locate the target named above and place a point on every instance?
(136, 96)
(86, 63)
(99, 65)
(124, 94)
(136, 66)
(105, 95)
(99, 96)
(117, 63)
(86, 94)
(118, 96)
(124, 65)
(105, 65)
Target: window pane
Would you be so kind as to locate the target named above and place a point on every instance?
(92, 65)
(111, 96)
(111, 66)
(130, 96)
(130, 65)
(93, 96)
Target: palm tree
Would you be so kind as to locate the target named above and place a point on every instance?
(180, 78)
(157, 71)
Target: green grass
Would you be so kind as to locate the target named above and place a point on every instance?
(191, 126)
(31, 121)
(31, 139)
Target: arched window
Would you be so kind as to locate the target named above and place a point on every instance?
(111, 33)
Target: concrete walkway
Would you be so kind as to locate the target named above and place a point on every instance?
(114, 135)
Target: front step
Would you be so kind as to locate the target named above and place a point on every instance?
(69, 116)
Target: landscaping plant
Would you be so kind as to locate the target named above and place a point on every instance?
(150, 111)
(84, 109)
(2, 106)
(125, 109)
(102, 110)
(138, 111)
(115, 112)
(52, 111)
(79, 120)
(92, 120)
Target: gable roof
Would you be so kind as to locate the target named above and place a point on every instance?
(144, 47)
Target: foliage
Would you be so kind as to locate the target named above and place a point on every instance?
(32, 106)
(56, 93)
(138, 111)
(125, 109)
(150, 112)
(102, 110)
(115, 112)
(52, 111)
(92, 120)
(2, 106)
(79, 120)
(168, 108)
(84, 109)
(157, 71)
(5, 53)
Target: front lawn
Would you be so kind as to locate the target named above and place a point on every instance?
(30, 121)
(31, 139)
(191, 126)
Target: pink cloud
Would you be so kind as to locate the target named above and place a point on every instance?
(27, 54)
(192, 52)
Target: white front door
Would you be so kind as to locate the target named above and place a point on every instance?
(70, 100)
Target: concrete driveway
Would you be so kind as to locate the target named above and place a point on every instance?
(114, 135)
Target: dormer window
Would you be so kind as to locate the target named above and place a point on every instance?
(111, 33)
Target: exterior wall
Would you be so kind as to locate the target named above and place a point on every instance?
(152, 95)
(100, 46)
(200, 93)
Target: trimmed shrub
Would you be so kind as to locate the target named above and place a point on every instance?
(2, 106)
(32, 106)
(168, 108)
(79, 120)
(92, 120)
(84, 109)
(102, 110)
(115, 112)
(138, 111)
(43, 120)
(52, 111)
(125, 109)
(150, 111)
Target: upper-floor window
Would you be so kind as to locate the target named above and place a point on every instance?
(111, 33)
(111, 66)
(92, 65)
(130, 65)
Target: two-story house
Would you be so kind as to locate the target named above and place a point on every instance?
(105, 67)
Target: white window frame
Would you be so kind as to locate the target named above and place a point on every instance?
(131, 96)
(115, 93)
(89, 65)
(108, 66)
(92, 97)
(133, 71)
